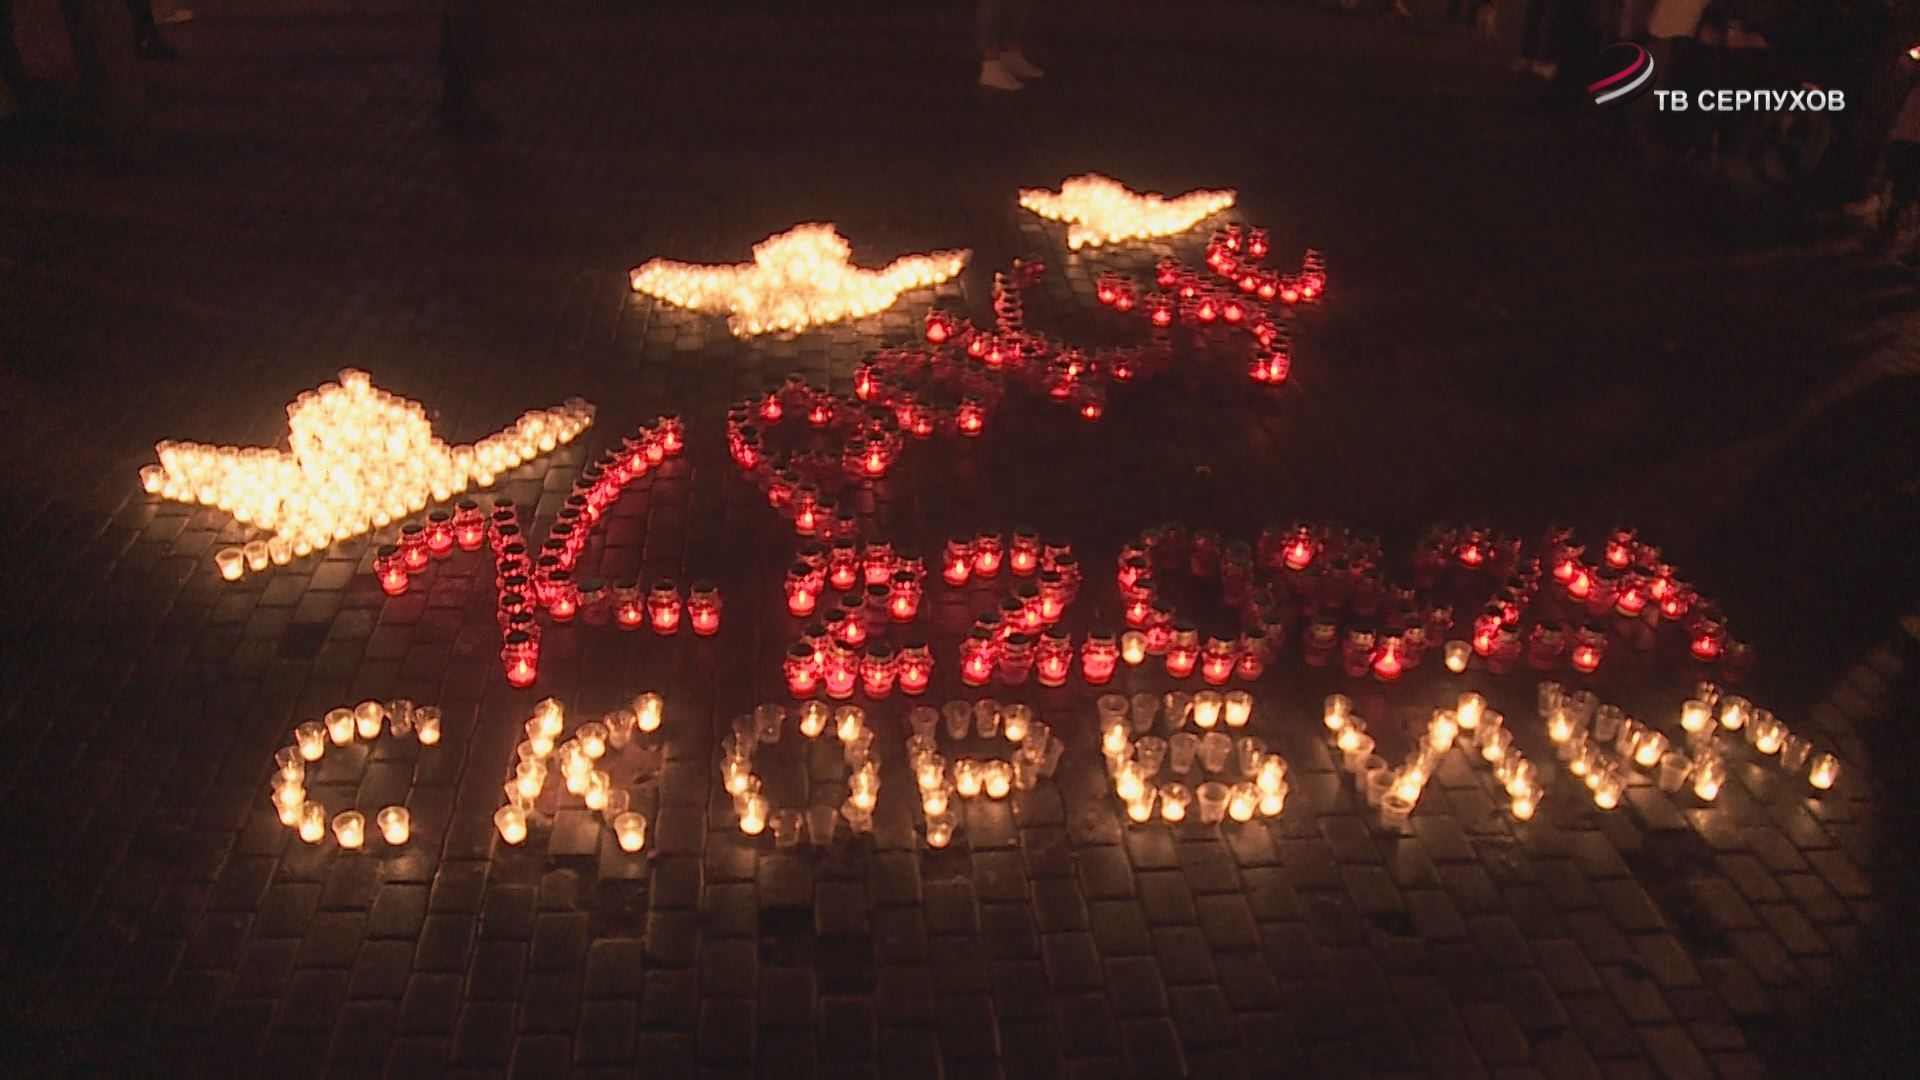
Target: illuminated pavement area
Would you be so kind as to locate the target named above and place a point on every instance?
(1521, 329)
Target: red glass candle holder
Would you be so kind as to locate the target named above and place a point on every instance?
(1388, 660)
(1183, 650)
(1589, 648)
(389, 567)
(1053, 658)
(1620, 548)
(521, 657)
(563, 596)
(970, 417)
(670, 435)
(469, 526)
(916, 668)
(840, 672)
(878, 605)
(1545, 643)
(629, 613)
(1356, 655)
(806, 509)
(663, 606)
(878, 670)
(413, 547)
(1023, 554)
(1486, 626)
(987, 554)
(1251, 656)
(703, 608)
(956, 563)
(1159, 628)
(439, 534)
(1216, 661)
(803, 590)
(1709, 639)
(903, 598)
(1099, 657)
(1015, 660)
(843, 566)
(1631, 599)
(977, 655)
(877, 564)
(1678, 601)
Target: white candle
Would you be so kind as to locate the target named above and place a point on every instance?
(512, 823)
(313, 822)
(350, 829)
(396, 824)
(1238, 708)
(311, 737)
(426, 725)
(340, 726)
(367, 718)
(650, 711)
(630, 829)
(1824, 772)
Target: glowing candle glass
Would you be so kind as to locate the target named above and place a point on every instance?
(311, 738)
(350, 829)
(395, 823)
(1824, 772)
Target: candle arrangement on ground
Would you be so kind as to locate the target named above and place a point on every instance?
(983, 728)
(834, 755)
(1604, 746)
(840, 654)
(358, 458)
(529, 582)
(1099, 210)
(798, 279)
(1202, 765)
(602, 763)
(296, 767)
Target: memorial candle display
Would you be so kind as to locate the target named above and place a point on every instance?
(359, 457)
(1099, 210)
(798, 279)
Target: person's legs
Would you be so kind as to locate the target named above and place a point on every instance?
(1533, 38)
(1001, 64)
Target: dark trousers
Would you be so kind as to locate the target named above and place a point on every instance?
(1000, 25)
(1903, 173)
(144, 28)
(1535, 42)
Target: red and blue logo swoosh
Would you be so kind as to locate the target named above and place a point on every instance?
(1626, 73)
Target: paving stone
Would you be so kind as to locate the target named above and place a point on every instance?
(1134, 984)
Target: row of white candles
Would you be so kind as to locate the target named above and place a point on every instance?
(1582, 729)
(1395, 792)
(578, 759)
(1135, 764)
(360, 459)
(364, 722)
(1036, 754)
(754, 811)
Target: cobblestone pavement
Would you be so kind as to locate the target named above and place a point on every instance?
(1522, 329)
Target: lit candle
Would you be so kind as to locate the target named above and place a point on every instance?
(1174, 801)
(396, 824)
(1336, 711)
(999, 779)
(940, 831)
(232, 563)
(592, 738)
(340, 726)
(630, 829)
(1243, 803)
(813, 719)
(1734, 712)
(1207, 705)
(1133, 648)
(1824, 772)
(1237, 708)
(350, 829)
(1648, 747)
(1458, 654)
(313, 822)
(426, 725)
(1442, 730)
(753, 815)
(511, 821)
(367, 718)
(1015, 720)
(1708, 775)
(967, 778)
(529, 778)
(1468, 710)
(1524, 805)
(311, 737)
(849, 722)
(599, 788)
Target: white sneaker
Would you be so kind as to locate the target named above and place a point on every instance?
(995, 76)
(1022, 67)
